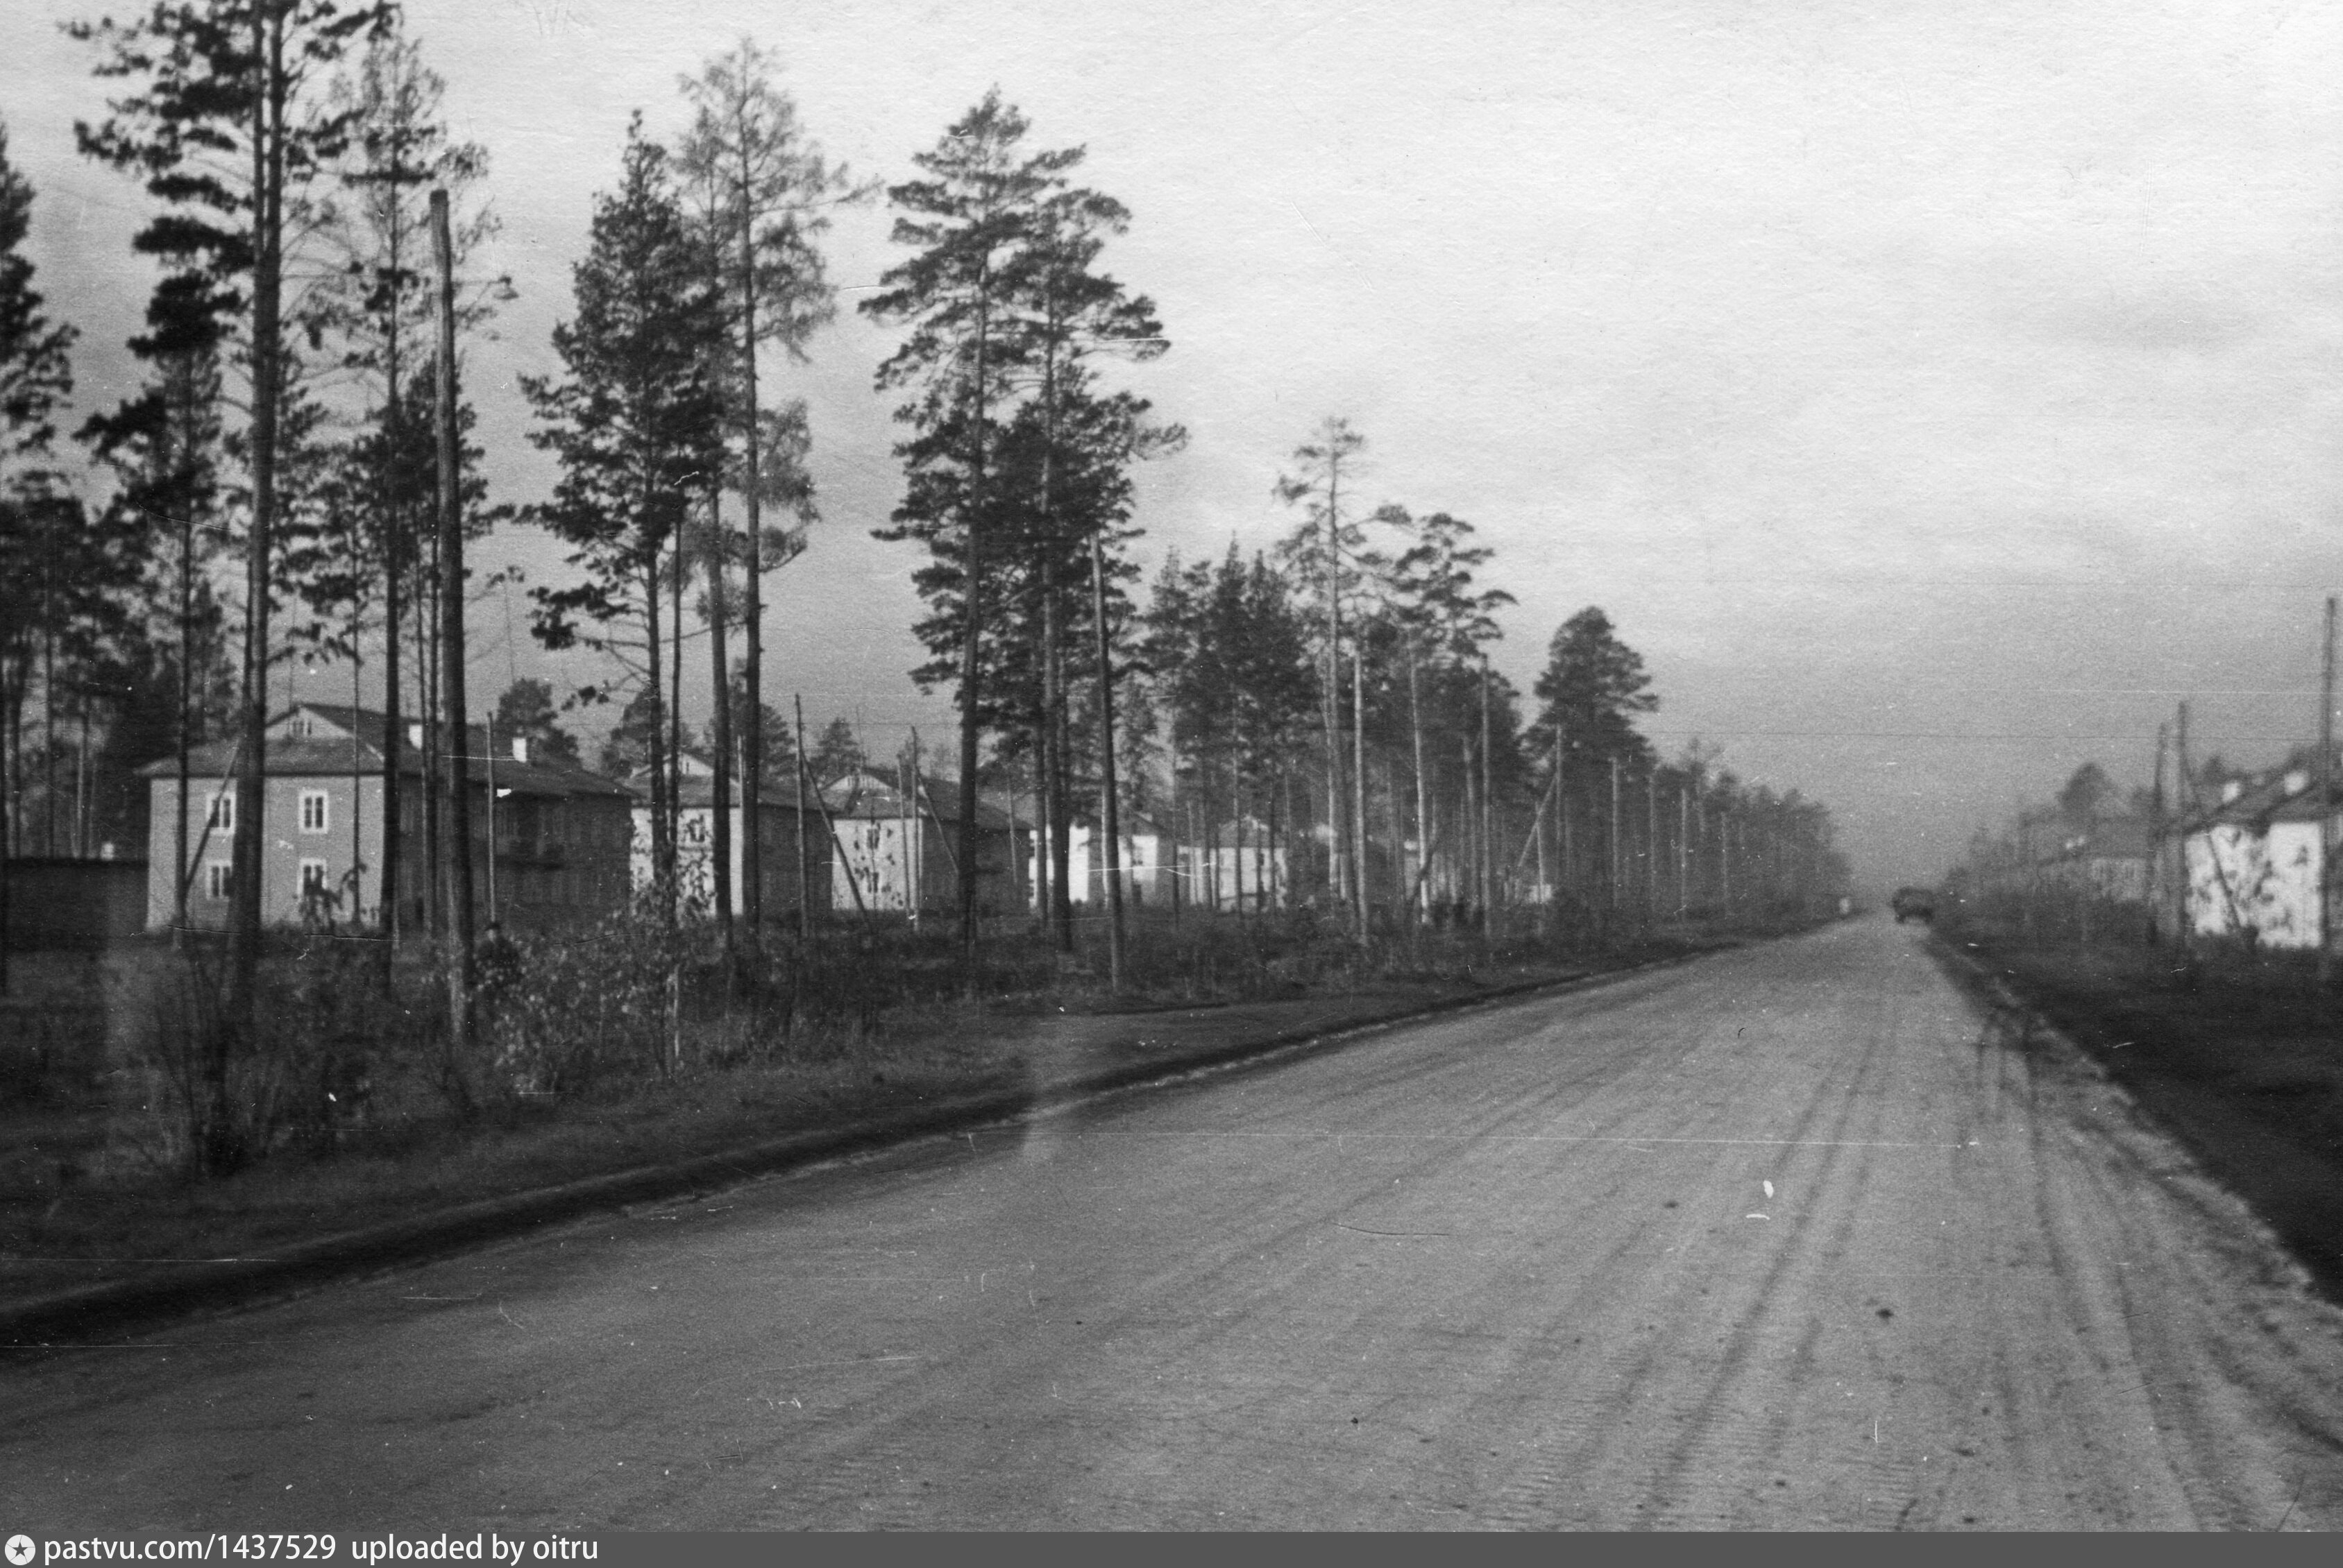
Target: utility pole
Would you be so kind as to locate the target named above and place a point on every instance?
(268, 139)
(1488, 894)
(1109, 811)
(1363, 895)
(1422, 813)
(2326, 800)
(1651, 845)
(1724, 857)
(457, 839)
(2158, 820)
(2184, 794)
(488, 734)
(1617, 860)
(805, 871)
(1560, 793)
(1683, 849)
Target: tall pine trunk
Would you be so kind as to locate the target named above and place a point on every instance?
(267, 277)
(752, 608)
(721, 792)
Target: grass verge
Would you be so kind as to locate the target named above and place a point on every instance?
(79, 1206)
(2232, 1053)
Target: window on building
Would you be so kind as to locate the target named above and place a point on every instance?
(223, 819)
(313, 880)
(312, 811)
(219, 878)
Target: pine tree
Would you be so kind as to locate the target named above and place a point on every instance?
(165, 447)
(527, 711)
(970, 219)
(36, 375)
(228, 134)
(1325, 550)
(35, 366)
(372, 305)
(1445, 625)
(771, 190)
(837, 753)
(635, 424)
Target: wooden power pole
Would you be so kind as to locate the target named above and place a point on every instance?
(2325, 797)
(2184, 803)
(457, 839)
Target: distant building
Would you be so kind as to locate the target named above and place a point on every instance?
(1146, 862)
(2108, 858)
(559, 833)
(1241, 868)
(897, 854)
(2254, 862)
(696, 844)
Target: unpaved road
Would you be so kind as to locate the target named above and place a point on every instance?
(1518, 1268)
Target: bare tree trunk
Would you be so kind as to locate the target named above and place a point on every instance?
(426, 656)
(663, 872)
(805, 865)
(1492, 894)
(1053, 762)
(268, 278)
(752, 617)
(183, 739)
(720, 786)
(973, 614)
(1109, 809)
(1422, 812)
(1359, 785)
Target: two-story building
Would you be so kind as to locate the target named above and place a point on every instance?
(896, 852)
(559, 834)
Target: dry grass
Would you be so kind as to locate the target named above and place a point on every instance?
(2232, 1049)
(357, 1112)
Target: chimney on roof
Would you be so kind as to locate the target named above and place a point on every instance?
(520, 747)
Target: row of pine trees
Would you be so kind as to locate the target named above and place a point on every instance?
(300, 476)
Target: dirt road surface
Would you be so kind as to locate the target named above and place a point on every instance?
(1789, 1236)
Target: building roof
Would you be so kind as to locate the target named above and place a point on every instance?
(867, 794)
(1134, 823)
(358, 749)
(2303, 805)
(2287, 795)
(697, 790)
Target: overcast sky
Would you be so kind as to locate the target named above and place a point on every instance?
(1934, 394)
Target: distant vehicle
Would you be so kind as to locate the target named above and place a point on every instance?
(1914, 904)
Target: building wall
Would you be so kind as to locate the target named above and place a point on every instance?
(350, 840)
(696, 858)
(2243, 881)
(1231, 880)
(870, 855)
(570, 864)
(1146, 873)
(560, 859)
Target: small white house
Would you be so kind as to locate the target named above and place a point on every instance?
(2254, 863)
(695, 856)
(1145, 863)
(898, 854)
(1242, 870)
